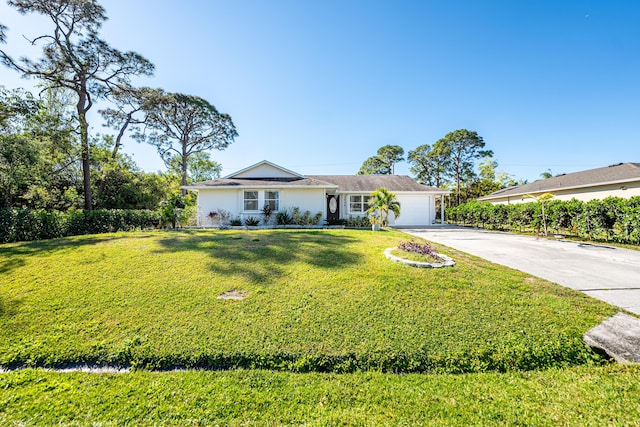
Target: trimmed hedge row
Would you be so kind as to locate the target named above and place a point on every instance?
(25, 224)
(612, 219)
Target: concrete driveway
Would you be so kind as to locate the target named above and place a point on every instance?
(604, 272)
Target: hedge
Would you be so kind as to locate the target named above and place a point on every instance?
(612, 219)
(26, 224)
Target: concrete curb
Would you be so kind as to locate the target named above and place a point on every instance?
(618, 336)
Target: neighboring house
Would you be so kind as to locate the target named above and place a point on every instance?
(244, 194)
(619, 180)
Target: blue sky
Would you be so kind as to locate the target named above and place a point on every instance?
(318, 87)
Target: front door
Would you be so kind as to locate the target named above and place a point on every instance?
(333, 207)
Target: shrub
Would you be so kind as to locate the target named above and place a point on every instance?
(338, 221)
(251, 221)
(613, 218)
(219, 217)
(266, 213)
(25, 224)
(358, 221)
(236, 222)
(283, 218)
(295, 217)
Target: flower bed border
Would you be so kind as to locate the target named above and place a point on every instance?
(446, 261)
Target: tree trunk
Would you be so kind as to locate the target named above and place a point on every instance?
(183, 181)
(86, 166)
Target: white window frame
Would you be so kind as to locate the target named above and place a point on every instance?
(276, 201)
(364, 205)
(245, 200)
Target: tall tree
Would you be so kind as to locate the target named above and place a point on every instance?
(74, 57)
(390, 155)
(200, 167)
(383, 163)
(464, 147)
(131, 107)
(374, 166)
(429, 166)
(184, 125)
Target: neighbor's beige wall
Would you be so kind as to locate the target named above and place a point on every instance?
(586, 194)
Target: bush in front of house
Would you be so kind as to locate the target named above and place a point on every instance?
(251, 221)
(26, 224)
(358, 222)
(295, 216)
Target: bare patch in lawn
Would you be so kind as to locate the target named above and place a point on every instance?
(233, 295)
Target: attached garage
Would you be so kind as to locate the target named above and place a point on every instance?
(415, 210)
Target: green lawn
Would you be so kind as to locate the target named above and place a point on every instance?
(349, 337)
(579, 396)
(317, 300)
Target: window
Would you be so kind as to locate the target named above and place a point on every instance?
(358, 204)
(272, 199)
(250, 200)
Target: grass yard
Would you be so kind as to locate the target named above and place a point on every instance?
(316, 301)
(330, 332)
(579, 396)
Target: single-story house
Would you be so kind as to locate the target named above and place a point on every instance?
(244, 193)
(619, 180)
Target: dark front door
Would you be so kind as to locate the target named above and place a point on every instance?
(333, 207)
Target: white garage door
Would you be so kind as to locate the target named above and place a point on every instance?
(414, 210)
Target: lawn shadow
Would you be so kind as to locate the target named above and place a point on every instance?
(14, 255)
(8, 307)
(263, 255)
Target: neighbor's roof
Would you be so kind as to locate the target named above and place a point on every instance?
(614, 174)
(369, 183)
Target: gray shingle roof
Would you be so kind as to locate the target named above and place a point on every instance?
(263, 182)
(369, 183)
(619, 173)
(343, 183)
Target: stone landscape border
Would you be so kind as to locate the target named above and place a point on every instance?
(446, 261)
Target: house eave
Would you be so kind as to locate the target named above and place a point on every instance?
(233, 187)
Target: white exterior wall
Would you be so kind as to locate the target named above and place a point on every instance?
(416, 209)
(212, 200)
(232, 200)
(307, 199)
(584, 194)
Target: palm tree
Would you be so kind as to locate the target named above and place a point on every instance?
(380, 203)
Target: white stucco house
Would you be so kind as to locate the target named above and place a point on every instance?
(245, 192)
(618, 180)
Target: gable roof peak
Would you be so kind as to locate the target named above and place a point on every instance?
(265, 165)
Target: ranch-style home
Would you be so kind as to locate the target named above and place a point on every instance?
(244, 193)
(619, 180)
